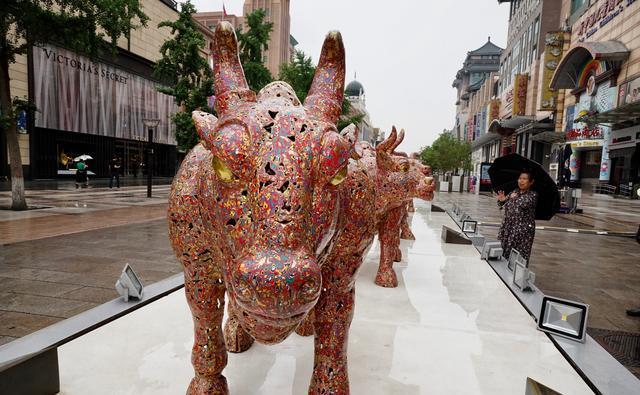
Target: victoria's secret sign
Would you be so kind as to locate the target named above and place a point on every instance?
(84, 66)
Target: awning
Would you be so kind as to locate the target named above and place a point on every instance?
(484, 139)
(536, 127)
(568, 71)
(628, 113)
(549, 137)
(517, 121)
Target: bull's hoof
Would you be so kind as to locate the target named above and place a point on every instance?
(305, 328)
(208, 386)
(387, 278)
(236, 339)
(407, 235)
(397, 256)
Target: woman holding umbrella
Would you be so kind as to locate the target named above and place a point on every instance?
(519, 225)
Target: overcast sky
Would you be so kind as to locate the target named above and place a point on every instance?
(405, 52)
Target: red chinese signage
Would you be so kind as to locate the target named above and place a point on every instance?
(584, 134)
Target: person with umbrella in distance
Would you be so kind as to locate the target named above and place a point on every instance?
(519, 225)
(532, 195)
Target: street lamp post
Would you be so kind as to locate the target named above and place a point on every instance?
(150, 124)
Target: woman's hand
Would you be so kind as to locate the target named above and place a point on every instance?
(501, 196)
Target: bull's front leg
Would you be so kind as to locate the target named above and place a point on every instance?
(205, 292)
(405, 229)
(333, 316)
(205, 295)
(389, 238)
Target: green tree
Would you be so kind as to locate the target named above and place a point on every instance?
(252, 44)
(188, 71)
(447, 153)
(299, 74)
(87, 27)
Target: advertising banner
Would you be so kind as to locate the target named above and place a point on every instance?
(77, 94)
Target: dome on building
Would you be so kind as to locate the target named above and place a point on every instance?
(354, 88)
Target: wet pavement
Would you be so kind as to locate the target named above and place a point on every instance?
(602, 271)
(63, 259)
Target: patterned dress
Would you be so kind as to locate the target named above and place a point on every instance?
(519, 224)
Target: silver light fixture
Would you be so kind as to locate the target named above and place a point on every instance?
(129, 285)
(523, 278)
(564, 318)
(469, 227)
(514, 256)
(491, 250)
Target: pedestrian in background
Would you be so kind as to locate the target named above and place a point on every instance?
(114, 171)
(81, 174)
(519, 224)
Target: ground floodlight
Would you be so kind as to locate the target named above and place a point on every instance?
(564, 318)
(535, 388)
(491, 250)
(469, 227)
(129, 285)
(514, 256)
(523, 278)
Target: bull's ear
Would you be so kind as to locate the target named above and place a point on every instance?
(205, 124)
(351, 134)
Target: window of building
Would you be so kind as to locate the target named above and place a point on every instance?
(576, 4)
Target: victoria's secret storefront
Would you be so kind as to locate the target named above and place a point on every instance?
(95, 108)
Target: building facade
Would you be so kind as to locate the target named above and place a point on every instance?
(95, 106)
(476, 84)
(528, 108)
(354, 92)
(600, 75)
(476, 69)
(281, 43)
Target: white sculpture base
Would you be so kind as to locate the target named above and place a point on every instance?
(451, 327)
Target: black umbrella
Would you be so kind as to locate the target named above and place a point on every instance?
(504, 173)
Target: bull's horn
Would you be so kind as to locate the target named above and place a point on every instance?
(327, 89)
(229, 83)
(387, 144)
(398, 140)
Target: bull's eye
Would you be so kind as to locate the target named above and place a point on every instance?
(340, 176)
(405, 168)
(222, 170)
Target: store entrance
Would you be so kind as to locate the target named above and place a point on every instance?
(131, 154)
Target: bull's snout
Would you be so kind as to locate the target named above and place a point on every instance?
(426, 188)
(277, 284)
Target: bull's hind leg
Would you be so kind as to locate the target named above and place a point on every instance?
(236, 338)
(333, 315)
(388, 233)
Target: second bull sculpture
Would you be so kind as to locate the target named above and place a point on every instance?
(274, 209)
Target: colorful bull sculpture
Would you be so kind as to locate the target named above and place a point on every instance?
(271, 215)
